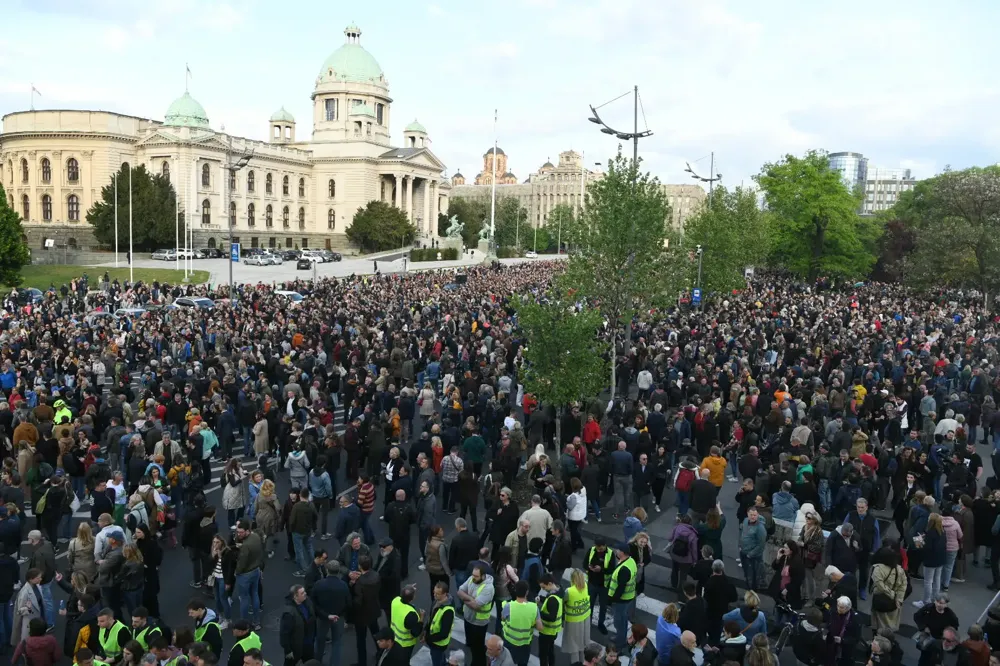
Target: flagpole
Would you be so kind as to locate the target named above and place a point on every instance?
(115, 178)
(177, 225)
(131, 254)
(493, 196)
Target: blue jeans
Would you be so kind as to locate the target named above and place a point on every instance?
(303, 550)
(366, 528)
(247, 442)
(223, 608)
(595, 504)
(620, 612)
(50, 609)
(247, 585)
(336, 630)
(752, 571)
(79, 486)
(932, 583)
(825, 498)
(66, 527)
(683, 501)
(132, 599)
(6, 622)
(949, 567)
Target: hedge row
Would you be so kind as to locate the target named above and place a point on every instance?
(431, 254)
(508, 252)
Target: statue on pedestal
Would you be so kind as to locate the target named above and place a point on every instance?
(484, 231)
(454, 229)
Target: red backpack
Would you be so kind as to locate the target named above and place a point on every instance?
(684, 479)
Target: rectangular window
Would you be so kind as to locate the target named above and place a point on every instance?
(331, 109)
(288, 242)
(305, 243)
(254, 241)
(357, 102)
(380, 113)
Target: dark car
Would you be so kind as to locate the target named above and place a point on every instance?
(211, 253)
(29, 295)
(303, 265)
(291, 255)
(337, 256)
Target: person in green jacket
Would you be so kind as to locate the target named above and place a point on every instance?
(474, 448)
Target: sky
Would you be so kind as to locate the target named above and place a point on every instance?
(908, 84)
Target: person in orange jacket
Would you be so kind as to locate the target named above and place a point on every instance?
(716, 466)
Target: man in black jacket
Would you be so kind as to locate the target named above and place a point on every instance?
(332, 599)
(694, 614)
(704, 496)
(400, 516)
(366, 606)
(387, 567)
(298, 627)
(464, 549)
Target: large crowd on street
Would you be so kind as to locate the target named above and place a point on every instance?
(848, 424)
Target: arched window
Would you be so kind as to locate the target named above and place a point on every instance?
(73, 208)
(302, 187)
(284, 186)
(72, 170)
(206, 212)
(24, 170)
(250, 181)
(211, 243)
(332, 188)
(232, 213)
(46, 170)
(302, 218)
(269, 216)
(165, 169)
(284, 217)
(46, 208)
(250, 211)
(71, 242)
(331, 220)
(206, 175)
(25, 207)
(268, 184)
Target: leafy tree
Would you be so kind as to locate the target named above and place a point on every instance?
(380, 226)
(13, 250)
(627, 266)
(895, 248)
(443, 224)
(153, 209)
(816, 228)
(733, 233)
(565, 356)
(513, 228)
(471, 212)
(541, 240)
(564, 224)
(956, 221)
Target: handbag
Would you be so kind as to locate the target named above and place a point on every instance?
(883, 603)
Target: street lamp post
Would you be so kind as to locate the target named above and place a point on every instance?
(634, 137)
(232, 168)
(712, 178)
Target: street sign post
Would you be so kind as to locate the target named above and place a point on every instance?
(695, 296)
(234, 252)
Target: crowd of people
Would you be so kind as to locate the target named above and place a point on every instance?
(847, 423)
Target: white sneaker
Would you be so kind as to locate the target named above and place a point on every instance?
(739, 564)
(422, 567)
(918, 604)
(224, 625)
(657, 508)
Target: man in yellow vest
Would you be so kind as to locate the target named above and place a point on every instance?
(598, 574)
(621, 592)
(442, 615)
(520, 618)
(246, 639)
(112, 635)
(206, 625)
(406, 622)
(85, 657)
(550, 609)
(144, 629)
(476, 593)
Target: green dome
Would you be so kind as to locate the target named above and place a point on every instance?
(415, 127)
(186, 112)
(362, 110)
(351, 62)
(282, 116)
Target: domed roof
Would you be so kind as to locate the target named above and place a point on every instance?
(282, 116)
(548, 165)
(498, 149)
(186, 112)
(351, 62)
(362, 110)
(509, 175)
(415, 127)
(458, 174)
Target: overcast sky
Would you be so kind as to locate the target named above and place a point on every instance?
(905, 83)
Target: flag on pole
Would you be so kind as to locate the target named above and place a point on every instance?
(187, 76)
(35, 90)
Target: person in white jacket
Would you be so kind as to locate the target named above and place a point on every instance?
(576, 511)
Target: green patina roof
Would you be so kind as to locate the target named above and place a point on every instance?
(282, 116)
(415, 127)
(351, 62)
(186, 112)
(363, 110)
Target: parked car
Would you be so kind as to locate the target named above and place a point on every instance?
(530, 254)
(185, 253)
(295, 297)
(291, 255)
(304, 264)
(122, 313)
(197, 302)
(164, 255)
(330, 256)
(96, 318)
(314, 255)
(29, 295)
(209, 253)
(257, 260)
(274, 258)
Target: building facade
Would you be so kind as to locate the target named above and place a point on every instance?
(564, 183)
(853, 168)
(883, 188)
(293, 193)
(485, 177)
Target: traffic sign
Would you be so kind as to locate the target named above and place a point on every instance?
(696, 295)
(234, 252)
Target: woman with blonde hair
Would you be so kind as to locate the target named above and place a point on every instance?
(81, 552)
(642, 553)
(133, 578)
(75, 586)
(668, 634)
(426, 400)
(812, 541)
(576, 611)
(759, 653)
(268, 514)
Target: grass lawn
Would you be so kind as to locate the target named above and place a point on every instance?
(41, 276)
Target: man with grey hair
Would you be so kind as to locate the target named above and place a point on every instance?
(540, 520)
(622, 471)
(868, 538)
(498, 654)
(332, 599)
(463, 550)
(456, 658)
(718, 594)
(298, 626)
(518, 541)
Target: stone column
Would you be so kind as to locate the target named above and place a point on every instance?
(427, 209)
(399, 189)
(435, 210)
(409, 196)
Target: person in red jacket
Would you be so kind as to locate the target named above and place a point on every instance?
(591, 430)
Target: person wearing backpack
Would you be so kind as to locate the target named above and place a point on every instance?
(533, 568)
(686, 475)
(683, 551)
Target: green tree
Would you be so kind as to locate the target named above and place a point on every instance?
(733, 233)
(380, 226)
(513, 227)
(540, 240)
(630, 262)
(816, 229)
(565, 357)
(955, 218)
(153, 209)
(564, 224)
(13, 250)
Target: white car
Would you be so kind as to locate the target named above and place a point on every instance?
(184, 253)
(295, 297)
(164, 255)
(314, 256)
(196, 302)
(274, 258)
(530, 254)
(260, 259)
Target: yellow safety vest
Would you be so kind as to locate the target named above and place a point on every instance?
(199, 632)
(248, 642)
(98, 662)
(436, 624)
(519, 627)
(607, 567)
(399, 613)
(577, 607)
(143, 638)
(629, 593)
(554, 627)
(484, 611)
(108, 639)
